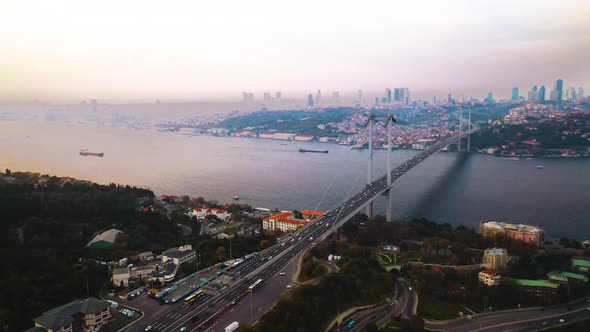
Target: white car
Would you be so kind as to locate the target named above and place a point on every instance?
(561, 320)
(288, 286)
(148, 328)
(183, 329)
(282, 273)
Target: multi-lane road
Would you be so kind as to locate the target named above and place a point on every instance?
(202, 314)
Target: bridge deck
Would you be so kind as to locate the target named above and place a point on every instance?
(369, 193)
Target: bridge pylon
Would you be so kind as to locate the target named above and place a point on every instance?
(388, 124)
(369, 124)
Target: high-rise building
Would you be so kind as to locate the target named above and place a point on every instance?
(570, 94)
(404, 95)
(515, 93)
(534, 94)
(245, 96)
(396, 94)
(388, 95)
(580, 93)
(490, 98)
(360, 96)
(310, 100)
(541, 97)
(335, 96)
(376, 101)
(318, 98)
(557, 93)
(278, 95)
(434, 100)
(250, 97)
(266, 96)
(450, 98)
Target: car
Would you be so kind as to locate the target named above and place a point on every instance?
(183, 329)
(544, 323)
(282, 244)
(588, 309)
(233, 302)
(282, 273)
(148, 328)
(410, 289)
(288, 286)
(561, 320)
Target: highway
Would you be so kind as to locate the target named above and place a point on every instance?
(405, 303)
(528, 319)
(201, 315)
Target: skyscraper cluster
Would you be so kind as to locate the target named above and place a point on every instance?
(537, 94)
(401, 95)
(248, 97)
(557, 92)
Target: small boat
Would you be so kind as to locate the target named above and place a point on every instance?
(539, 166)
(84, 152)
(236, 198)
(315, 151)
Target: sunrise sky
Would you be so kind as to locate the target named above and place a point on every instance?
(119, 50)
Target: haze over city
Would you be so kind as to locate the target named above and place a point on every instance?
(66, 51)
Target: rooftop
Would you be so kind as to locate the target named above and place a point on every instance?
(60, 316)
(107, 236)
(489, 272)
(313, 212)
(504, 225)
(565, 275)
(581, 262)
(496, 251)
(535, 283)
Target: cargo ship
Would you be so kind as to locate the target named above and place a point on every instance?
(315, 151)
(85, 152)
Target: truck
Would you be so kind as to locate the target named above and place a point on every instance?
(232, 327)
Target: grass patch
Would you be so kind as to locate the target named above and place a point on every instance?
(431, 308)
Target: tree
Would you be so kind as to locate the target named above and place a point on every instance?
(220, 253)
(371, 327)
(263, 244)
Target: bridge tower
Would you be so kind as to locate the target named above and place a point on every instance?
(389, 124)
(460, 126)
(369, 124)
(469, 126)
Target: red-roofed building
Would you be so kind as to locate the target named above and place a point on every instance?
(284, 221)
(201, 213)
(489, 278)
(311, 214)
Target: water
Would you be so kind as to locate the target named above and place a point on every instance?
(448, 187)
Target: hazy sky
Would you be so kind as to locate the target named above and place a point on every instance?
(118, 50)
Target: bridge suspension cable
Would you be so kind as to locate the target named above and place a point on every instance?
(326, 192)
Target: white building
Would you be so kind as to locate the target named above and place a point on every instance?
(489, 278)
(284, 221)
(201, 213)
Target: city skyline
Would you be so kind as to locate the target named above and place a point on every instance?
(185, 52)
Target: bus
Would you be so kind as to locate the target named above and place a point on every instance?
(191, 298)
(254, 285)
